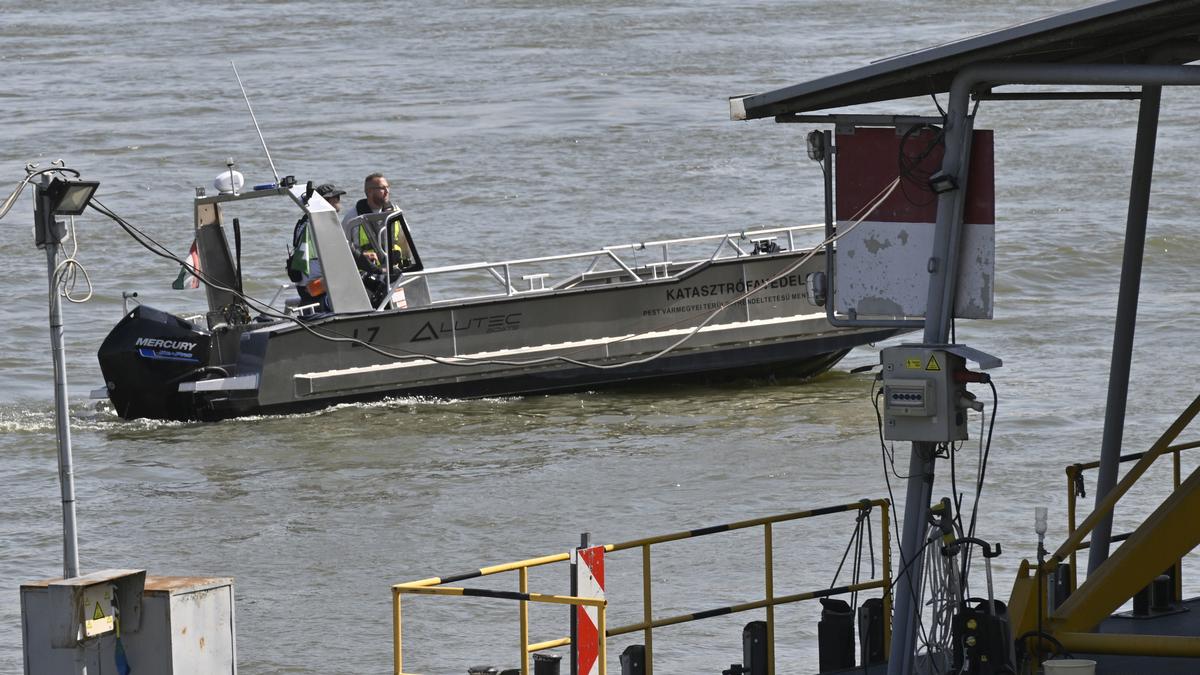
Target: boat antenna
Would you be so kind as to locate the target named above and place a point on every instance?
(255, 119)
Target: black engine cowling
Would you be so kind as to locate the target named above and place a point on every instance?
(146, 356)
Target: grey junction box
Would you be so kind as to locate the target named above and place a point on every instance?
(186, 627)
(920, 395)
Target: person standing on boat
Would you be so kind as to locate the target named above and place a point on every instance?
(369, 254)
(362, 242)
(304, 266)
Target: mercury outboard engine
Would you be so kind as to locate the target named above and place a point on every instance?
(146, 356)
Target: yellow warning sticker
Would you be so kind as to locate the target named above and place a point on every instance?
(912, 364)
(933, 364)
(99, 623)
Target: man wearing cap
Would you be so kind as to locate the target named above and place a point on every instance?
(332, 194)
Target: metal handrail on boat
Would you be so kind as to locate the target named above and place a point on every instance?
(503, 271)
(663, 267)
(437, 586)
(1075, 490)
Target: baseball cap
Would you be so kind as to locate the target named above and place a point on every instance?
(328, 190)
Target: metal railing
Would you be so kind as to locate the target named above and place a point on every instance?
(1075, 489)
(437, 586)
(1067, 624)
(624, 260)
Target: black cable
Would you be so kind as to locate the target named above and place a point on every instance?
(910, 167)
(938, 104)
(956, 505)
(889, 458)
(845, 553)
(983, 463)
(985, 451)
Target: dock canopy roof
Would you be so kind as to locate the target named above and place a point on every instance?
(1121, 32)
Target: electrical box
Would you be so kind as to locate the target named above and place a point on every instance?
(181, 625)
(921, 399)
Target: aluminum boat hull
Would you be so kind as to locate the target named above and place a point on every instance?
(614, 328)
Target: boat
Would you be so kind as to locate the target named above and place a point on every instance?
(745, 304)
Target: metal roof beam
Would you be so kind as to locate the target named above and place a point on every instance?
(1059, 96)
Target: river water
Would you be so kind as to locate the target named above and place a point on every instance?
(512, 129)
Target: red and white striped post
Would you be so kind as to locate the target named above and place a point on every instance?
(589, 583)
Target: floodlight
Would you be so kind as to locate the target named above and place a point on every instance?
(70, 197)
(816, 146)
(942, 182)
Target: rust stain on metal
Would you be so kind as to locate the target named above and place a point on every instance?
(154, 583)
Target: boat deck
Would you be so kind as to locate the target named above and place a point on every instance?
(1183, 623)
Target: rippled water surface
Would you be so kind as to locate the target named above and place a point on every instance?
(512, 129)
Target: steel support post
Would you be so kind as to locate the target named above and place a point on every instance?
(939, 310)
(44, 221)
(1127, 303)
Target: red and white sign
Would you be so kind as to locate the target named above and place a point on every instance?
(589, 580)
(883, 263)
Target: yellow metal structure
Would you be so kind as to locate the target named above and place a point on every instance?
(1160, 541)
(437, 586)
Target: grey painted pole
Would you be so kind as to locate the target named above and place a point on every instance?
(66, 471)
(941, 289)
(943, 265)
(1127, 303)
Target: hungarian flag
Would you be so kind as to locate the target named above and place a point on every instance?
(187, 273)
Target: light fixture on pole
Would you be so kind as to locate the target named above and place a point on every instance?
(942, 182)
(52, 198)
(70, 197)
(59, 197)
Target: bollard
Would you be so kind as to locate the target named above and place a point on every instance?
(870, 632)
(754, 648)
(633, 660)
(835, 635)
(1141, 602)
(483, 670)
(734, 669)
(1162, 592)
(546, 664)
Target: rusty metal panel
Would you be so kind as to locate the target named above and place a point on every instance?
(882, 270)
(882, 263)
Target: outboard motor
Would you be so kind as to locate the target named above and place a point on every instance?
(146, 356)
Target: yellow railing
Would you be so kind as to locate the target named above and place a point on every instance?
(1087, 605)
(1075, 490)
(436, 586)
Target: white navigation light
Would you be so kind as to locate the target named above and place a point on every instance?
(229, 182)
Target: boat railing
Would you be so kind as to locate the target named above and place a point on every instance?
(438, 586)
(1158, 544)
(1076, 489)
(621, 263)
(292, 306)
